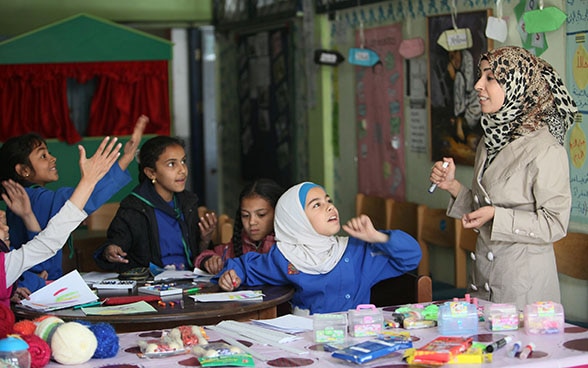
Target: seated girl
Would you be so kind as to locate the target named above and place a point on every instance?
(254, 226)
(53, 237)
(330, 273)
(157, 225)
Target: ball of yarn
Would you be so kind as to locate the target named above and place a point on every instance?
(25, 327)
(6, 320)
(73, 343)
(38, 349)
(46, 327)
(107, 340)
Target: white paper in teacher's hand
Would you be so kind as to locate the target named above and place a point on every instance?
(67, 291)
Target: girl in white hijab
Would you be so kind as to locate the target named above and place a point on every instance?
(330, 273)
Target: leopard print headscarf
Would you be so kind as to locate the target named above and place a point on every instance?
(535, 96)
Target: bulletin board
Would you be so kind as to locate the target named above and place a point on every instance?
(380, 126)
(577, 84)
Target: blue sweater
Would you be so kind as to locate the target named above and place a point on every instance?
(45, 204)
(345, 286)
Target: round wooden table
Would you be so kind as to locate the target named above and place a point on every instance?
(192, 313)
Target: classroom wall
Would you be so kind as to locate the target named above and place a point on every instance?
(343, 175)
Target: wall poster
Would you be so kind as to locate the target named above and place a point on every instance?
(454, 109)
(379, 106)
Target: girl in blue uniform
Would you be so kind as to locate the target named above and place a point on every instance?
(26, 160)
(330, 273)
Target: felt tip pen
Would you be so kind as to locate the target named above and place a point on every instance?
(516, 347)
(192, 291)
(498, 344)
(86, 305)
(527, 350)
(433, 185)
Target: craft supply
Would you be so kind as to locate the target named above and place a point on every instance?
(329, 327)
(498, 344)
(365, 320)
(544, 318)
(14, 353)
(516, 347)
(39, 350)
(433, 185)
(115, 284)
(439, 351)
(527, 350)
(458, 318)
(118, 300)
(160, 289)
(88, 305)
(367, 351)
(501, 317)
(191, 290)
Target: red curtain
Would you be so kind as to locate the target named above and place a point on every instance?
(33, 98)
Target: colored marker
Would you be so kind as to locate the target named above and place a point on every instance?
(191, 291)
(91, 304)
(433, 185)
(515, 349)
(527, 350)
(498, 344)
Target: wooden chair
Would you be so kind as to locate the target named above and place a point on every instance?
(402, 216)
(102, 217)
(435, 228)
(571, 258)
(465, 244)
(374, 207)
(571, 255)
(405, 289)
(224, 230)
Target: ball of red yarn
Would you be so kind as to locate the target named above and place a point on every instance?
(25, 327)
(39, 350)
(6, 320)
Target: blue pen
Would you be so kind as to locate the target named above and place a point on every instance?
(225, 254)
(516, 347)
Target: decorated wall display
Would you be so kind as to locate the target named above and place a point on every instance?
(577, 84)
(379, 100)
(454, 107)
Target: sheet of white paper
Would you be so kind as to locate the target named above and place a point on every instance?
(65, 292)
(182, 274)
(95, 277)
(232, 296)
(288, 323)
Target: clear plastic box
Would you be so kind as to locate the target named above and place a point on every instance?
(544, 318)
(501, 317)
(365, 320)
(330, 327)
(458, 318)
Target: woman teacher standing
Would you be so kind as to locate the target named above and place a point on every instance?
(520, 197)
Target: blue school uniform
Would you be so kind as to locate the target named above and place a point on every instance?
(346, 286)
(45, 204)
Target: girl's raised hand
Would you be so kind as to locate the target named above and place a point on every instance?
(362, 228)
(94, 168)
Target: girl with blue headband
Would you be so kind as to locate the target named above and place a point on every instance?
(330, 273)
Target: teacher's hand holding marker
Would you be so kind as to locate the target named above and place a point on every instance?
(443, 177)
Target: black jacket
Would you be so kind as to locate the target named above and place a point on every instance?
(134, 228)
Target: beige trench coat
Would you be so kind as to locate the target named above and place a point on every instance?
(528, 185)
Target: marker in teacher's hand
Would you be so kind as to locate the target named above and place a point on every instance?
(498, 344)
(527, 350)
(433, 185)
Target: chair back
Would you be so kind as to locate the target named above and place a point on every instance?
(571, 255)
(224, 231)
(465, 244)
(102, 217)
(405, 289)
(435, 228)
(372, 206)
(402, 216)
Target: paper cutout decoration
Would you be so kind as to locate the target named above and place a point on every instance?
(363, 57)
(496, 27)
(328, 57)
(411, 48)
(577, 146)
(455, 39)
(543, 20)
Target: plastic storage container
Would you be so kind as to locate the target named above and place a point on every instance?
(14, 353)
(330, 327)
(458, 318)
(501, 317)
(365, 320)
(543, 318)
